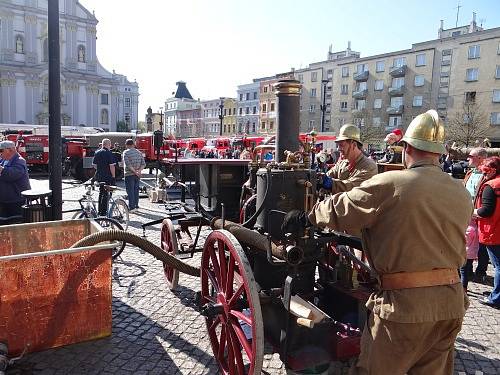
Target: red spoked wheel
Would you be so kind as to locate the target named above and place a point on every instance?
(170, 245)
(231, 305)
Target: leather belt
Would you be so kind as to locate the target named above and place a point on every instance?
(407, 280)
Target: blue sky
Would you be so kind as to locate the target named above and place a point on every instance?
(214, 45)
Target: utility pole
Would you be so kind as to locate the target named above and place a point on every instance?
(55, 144)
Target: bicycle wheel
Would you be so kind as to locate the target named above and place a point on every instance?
(106, 223)
(119, 212)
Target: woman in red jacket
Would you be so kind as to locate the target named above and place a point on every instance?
(488, 214)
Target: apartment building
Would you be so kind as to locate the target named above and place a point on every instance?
(230, 117)
(388, 90)
(182, 114)
(211, 110)
(248, 107)
(268, 109)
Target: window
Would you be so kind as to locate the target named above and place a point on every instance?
(360, 68)
(474, 51)
(127, 102)
(254, 110)
(496, 96)
(241, 111)
(360, 105)
(497, 72)
(241, 97)
(377, 103)
(472, 74)
(247, 110)
(398, 62)
(265, 89)
(359, 122)
(345, 71)
(312, 108)
(254, 95)
(343, 106)
(446, 52)
(311, 124)
(264, 107)
(329, 73)
(263, 125)
(253, 127)
(495, 118)
(380, 67)
(446, 60)
(379, 85)
(376, 122)
(419, 80)
(341, 121)
(396, 101)
(397, 83)
(301, 78)
(271, 125)
(361, 86)
(314, 76)
(313, 93)
(104, 117)
(420, 60)
(470, 97)
(344, 89)
(272, 107)
(104, 99)
(417, 100)
(19, 44)
(394, 121)
(498, 49)
(247, 96)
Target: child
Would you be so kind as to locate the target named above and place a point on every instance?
(471, 247)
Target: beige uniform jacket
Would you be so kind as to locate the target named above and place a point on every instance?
(411, 220)
(345, 180)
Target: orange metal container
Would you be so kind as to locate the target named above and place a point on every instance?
(52, 300)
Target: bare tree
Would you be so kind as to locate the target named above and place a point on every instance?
(469, 125)
(370, 133)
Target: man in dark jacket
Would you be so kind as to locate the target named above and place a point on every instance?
(13, 180)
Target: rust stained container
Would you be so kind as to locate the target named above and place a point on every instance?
(52, 300)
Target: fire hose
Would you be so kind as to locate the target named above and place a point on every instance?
(149, 247)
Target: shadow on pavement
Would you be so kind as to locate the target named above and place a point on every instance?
(137, 344)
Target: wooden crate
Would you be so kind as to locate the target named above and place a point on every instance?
(54, 300)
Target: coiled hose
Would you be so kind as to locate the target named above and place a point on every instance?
(147, 246)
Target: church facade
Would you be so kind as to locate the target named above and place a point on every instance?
(90, 94)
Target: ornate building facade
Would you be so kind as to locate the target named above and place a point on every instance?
(90, 94)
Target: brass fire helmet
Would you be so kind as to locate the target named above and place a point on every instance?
(349, 131)
(426, 133)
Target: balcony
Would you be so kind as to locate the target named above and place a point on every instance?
(397, 91)
(395, 110)
(357, 111)
(361, 94)
(397, 71)
(360, 77)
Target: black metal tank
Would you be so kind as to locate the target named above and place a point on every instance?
(285, 191)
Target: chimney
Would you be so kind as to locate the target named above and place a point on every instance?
(349, 45)
(330, 48)
(442, 25)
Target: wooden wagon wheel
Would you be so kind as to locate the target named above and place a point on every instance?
(231, 306)
(169, 244)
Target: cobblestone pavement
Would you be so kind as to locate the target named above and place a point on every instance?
(157, 331)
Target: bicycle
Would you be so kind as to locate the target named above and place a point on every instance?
(117, 216)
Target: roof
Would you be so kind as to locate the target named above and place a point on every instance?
(182, 91)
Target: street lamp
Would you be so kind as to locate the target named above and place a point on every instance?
(161, 119)
(221, 114)
(323, 106)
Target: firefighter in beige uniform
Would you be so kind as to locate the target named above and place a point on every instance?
(354, 167)
(418, 310)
